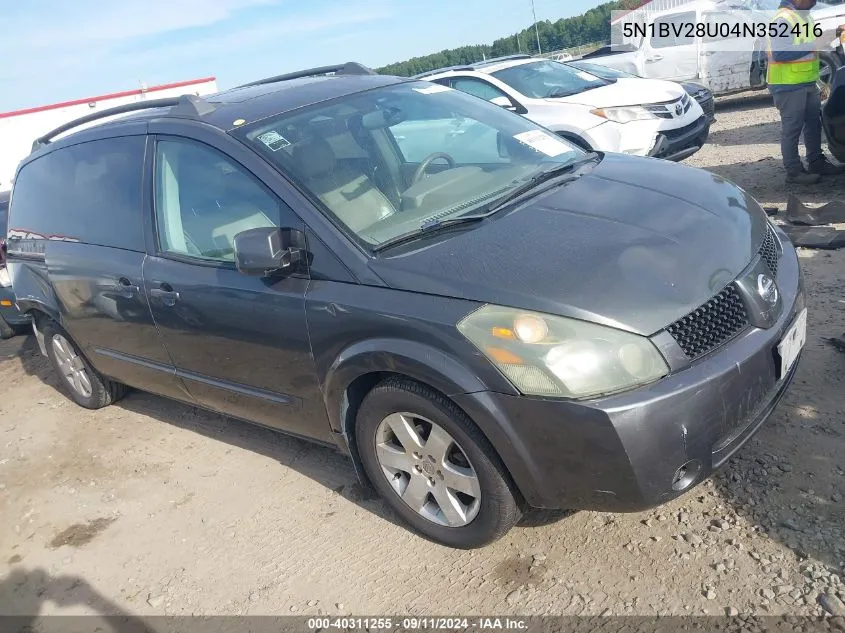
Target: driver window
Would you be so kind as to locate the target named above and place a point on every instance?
(203, 200)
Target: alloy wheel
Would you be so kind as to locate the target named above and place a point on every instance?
(71, 366)
(428, 469)
(825, 80)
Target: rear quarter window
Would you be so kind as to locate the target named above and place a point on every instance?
(90, 192)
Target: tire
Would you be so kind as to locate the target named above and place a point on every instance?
(830, 63)
(6, 330)
(480, 519)
(93, 391)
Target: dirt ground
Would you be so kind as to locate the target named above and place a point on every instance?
(152, 507)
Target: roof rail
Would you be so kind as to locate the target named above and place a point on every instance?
(437, 71)
(186, 105)
(503, 58)
(349, 68)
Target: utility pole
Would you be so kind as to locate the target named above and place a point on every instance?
(536, 28)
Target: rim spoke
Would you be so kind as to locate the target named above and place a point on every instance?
(438, 443)
(84, 383)
(389, 457)
(404, 431)
(416, 493)
(451, 508)
(424, 474)
(461, 479)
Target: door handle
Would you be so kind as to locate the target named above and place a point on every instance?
(653, 58)
(165, 292)
(126, 288)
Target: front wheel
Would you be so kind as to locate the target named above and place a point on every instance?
(86, 386)
(433, 466)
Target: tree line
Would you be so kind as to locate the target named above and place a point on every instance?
(592, 26)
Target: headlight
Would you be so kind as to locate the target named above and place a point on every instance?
(546, 355)
(5, 280)
(624, 115)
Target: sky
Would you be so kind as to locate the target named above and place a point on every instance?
(58, 50)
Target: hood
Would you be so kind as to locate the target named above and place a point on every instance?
(634, 243)
(627, 91)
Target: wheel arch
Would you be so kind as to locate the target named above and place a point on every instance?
(362, 367)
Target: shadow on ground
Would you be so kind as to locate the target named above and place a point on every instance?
(323, 464)
(24, 592)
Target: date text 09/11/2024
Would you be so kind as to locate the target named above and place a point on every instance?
(417, 623)
(720, 30)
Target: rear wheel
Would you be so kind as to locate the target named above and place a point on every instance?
(433, 466)
(85, 385)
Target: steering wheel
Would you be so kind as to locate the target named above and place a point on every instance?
(427, 161)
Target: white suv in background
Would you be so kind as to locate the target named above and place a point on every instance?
(643, 117)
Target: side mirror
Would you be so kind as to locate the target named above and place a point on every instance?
(503, 102)
(268, 251)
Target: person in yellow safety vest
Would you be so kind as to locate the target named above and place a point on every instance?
(793, 73)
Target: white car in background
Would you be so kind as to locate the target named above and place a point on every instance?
(642, 117)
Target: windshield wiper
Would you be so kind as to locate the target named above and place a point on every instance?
(428, 228)
(434, 226)
(544, 176)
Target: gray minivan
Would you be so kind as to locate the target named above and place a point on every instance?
(522, 324)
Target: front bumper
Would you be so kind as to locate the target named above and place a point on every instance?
(676, 145)
(622, 453)
(8, 308)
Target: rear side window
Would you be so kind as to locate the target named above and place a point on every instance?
(89, 193)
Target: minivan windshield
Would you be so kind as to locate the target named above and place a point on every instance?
(401, 158)
(548, 79)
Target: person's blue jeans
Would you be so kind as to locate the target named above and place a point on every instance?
(800, 111)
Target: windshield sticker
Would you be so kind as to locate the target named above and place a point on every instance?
(543, 142)
(274, 141)
(432, 89)
(585, 76)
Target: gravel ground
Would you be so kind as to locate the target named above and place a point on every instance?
(152, 507)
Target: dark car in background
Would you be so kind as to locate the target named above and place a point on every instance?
(11, 320)
(700, 93)
(518, 324)
(833, 116)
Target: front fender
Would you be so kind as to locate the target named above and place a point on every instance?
(408, 358)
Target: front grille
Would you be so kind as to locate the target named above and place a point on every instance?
(667, 110)
(724, 316)
(682, 131)
(769, 251)
(707, 104)
(711, 325)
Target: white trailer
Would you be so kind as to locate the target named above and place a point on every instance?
(19, 128)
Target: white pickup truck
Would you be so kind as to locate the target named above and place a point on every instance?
(708, 61)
